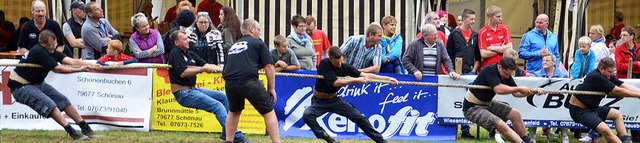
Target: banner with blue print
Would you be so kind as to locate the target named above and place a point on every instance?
(398, 112)
(547, 110)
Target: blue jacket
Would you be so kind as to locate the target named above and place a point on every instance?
(530, 46)
(556, 74)
(392, 48)
(581, 63)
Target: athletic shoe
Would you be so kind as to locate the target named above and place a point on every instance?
(242, 140)
(467, 135)
(329, 139)
(78, 136)
(498, 138)
(89, 133)
(587, 139)
(625, 139)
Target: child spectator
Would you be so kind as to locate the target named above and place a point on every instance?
(584, 59)
(114, 54)
(284, 57)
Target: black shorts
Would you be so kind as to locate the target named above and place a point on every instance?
(589, 118)
(252, 90)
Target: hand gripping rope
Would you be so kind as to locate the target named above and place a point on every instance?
(119, 67)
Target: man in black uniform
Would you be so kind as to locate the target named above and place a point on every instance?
(183, 80)
(480, 108)
(240, 73)
(325, 96)
(28, 87)
(30, 31)
(584, 109)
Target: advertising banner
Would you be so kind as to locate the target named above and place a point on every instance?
(107, 100)
(167, 114)
(548, 110)
(398, 112)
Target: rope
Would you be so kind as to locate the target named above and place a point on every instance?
(114, 67)
(481, 87)
(119, 67)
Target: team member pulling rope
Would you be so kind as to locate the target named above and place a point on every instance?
(585, 110)
(480, 108)
(325, 96)
(28, 87)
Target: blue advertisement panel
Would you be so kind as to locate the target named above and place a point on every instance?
(398, 112)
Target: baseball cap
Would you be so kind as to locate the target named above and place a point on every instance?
(77, 4)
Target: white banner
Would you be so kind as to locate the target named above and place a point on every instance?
(542, 110)
(107, 100)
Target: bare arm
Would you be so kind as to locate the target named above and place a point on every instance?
(193, 71)
(23, 50)
(501, 49)
(66, 69)
(278, 69)
(486, 53)
(72, 61)
(624, 92)
(74, 42)
(374, 76)
(630, 87)
(371, 69)
(346, 81)
(292, 67)
(505, 89)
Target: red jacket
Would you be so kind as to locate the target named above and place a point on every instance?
(623, 55)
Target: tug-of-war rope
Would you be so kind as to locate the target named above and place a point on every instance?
(119, 67)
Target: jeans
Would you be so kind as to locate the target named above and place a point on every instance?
(209, 100)
(337, 105)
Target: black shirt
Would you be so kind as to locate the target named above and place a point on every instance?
(245, 57)
(595, 81)
(330, 74)
(180, 60)
(29, 33)
(39, 55)
(489, 76)
(458, 47)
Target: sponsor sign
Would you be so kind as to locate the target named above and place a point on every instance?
(397, 112)
(548, 110)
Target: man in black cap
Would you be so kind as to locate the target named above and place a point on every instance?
(71, 29)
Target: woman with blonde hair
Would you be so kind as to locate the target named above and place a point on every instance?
(391, 47)
(597, 45)
(146, 43)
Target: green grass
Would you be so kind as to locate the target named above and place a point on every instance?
(29, 136)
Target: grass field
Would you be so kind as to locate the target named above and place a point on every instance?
(40, 136)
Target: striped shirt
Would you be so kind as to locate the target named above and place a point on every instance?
(430, 59)
(359, 56)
